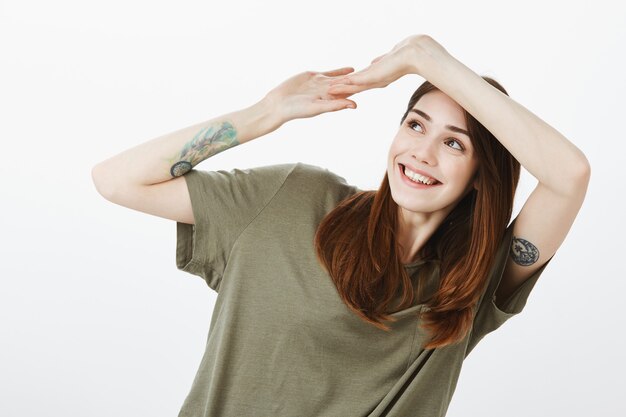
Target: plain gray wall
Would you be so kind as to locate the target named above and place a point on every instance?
(97, 320)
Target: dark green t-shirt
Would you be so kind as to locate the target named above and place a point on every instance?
(281, 341)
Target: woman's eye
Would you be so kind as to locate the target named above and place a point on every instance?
(460, 147)
(413, 122)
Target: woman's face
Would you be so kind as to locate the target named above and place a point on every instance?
(427, 143)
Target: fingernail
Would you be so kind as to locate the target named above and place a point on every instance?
(350, 106)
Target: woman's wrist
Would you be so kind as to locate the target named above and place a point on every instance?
(429, 57)
(256, 120)
(270, 111)
(440, 68)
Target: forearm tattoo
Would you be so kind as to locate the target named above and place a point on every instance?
(206, 143)
(523, 252)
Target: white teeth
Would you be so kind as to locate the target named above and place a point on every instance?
(417, 177)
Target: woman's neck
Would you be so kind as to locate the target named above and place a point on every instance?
(413, 231)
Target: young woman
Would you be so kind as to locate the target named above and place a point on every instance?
(335, 301)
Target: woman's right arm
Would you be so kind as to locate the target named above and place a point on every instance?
(148, 177)
(173, 154)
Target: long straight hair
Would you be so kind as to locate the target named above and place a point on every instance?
(356, 243)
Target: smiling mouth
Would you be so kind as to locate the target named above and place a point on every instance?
(417, 181)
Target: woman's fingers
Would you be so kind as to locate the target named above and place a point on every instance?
(360, 77)
(351, 84)
(339, 71)
(334, 105)
(346, 89)
(342, 80)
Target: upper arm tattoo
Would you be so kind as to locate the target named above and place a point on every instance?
(523, 252)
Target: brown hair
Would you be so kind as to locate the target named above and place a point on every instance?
(356, 243)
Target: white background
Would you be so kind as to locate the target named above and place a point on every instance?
(95, 318)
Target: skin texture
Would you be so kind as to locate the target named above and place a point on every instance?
(432, 148)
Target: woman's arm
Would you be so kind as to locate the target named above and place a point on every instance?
(174, 154)
(562, 170)
(552, 159)
(540, 148)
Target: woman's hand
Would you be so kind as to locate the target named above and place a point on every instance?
(306, 95)
(405, 58)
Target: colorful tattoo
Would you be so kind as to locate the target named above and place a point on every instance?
(206, 143)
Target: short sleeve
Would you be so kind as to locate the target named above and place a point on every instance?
(490, 315)
(224, 203)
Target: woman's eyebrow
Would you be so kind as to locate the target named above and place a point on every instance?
(450, 127)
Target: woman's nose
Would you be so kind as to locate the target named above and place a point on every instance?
(425, 151)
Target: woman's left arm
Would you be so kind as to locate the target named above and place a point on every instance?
(561, 169)
(544, 152)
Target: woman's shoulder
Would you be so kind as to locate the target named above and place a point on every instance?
(318, 173)
(315, 180)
